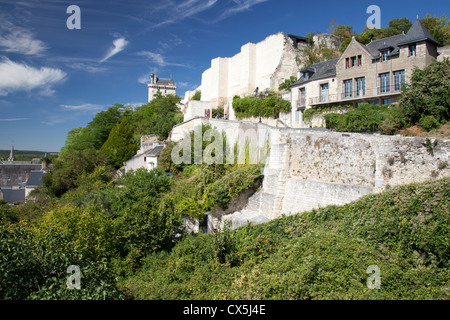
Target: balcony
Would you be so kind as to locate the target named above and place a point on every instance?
(370, 93)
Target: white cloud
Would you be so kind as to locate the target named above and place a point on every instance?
(240, 5)
(14, 119)
(158, 59)
(145, 79)
(19, 40)
(56, 119)
(185, 10)
(118, 45)
(83, 107)
(87, 67)
(21, 77)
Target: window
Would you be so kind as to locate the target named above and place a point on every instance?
(324, 92)
(385, 82)
(373, 102)
(399, 79)
(348, 85)
(306, 76)
(302, 97)
(353, 62)
(384, 55)
(387, 101)
(360, 86)
(297, 116)
(412, 50)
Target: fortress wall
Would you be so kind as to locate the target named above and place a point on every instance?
(306, 169)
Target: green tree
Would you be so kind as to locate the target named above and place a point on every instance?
(97, 131)
(400, 25)
(197, 95)
(158, 116)
(439, 28)
(120, 145)
(35, 267)
(345, 33)
(286, 85)
(428, 93)
(69, 167)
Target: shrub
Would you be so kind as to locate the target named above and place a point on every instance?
(367, 118)
(250, 107)
(428, 94)
(428, 123)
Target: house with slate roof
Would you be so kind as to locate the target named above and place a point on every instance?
(372, 73)
(147, 155)
(165, 86)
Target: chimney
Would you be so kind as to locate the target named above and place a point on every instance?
(299, 75)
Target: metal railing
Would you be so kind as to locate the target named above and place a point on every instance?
(355, 94)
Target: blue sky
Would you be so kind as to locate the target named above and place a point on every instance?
(53, 79)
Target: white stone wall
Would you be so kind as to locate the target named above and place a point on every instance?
(265, 64)
(307, 169)
(195, 108)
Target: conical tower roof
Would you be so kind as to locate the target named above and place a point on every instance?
(417, 33)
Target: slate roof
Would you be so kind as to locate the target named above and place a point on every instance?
(11, 195)
(16, 174)
(323, 70)
(35, 178)
(154, 152)
(376, 46)
(417, 33)
(164, 82)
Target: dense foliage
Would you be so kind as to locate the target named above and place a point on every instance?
(367, 118)
(428, 94)
(321, 254)
(250, 107)
(111, 138)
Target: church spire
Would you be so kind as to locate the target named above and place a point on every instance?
(11, 155)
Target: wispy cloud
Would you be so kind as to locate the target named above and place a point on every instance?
(159, 60)
(83, 107)
(239, 6)
(19, 76)
(14, 119)
(184, 10)
(91, 68)
(55, 119)
(118, 45)
(19, 40)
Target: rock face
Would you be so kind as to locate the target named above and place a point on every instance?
(310, 168)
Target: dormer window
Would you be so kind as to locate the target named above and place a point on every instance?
(306, 76)
(384, 55)
(412, 50)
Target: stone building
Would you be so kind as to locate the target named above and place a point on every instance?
(147, 155)
(372, 73)
(19, 178)
(165, 86)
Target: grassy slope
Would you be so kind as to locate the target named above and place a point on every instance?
(321, 254)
